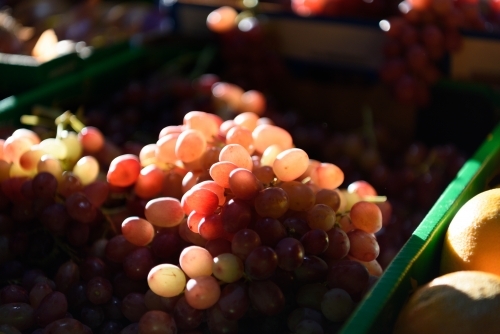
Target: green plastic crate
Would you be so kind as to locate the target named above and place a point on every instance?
(418, 261)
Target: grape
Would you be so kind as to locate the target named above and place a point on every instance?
(244, 241)
(265, 135)
(222, 19)
(196, 261)
(137, 231)
(366, 216)
(67, 325)
(236, 154)
(157, 322)
(124, 170)
(308, 327)
(200, 200)
(265, 174)
(315, 242)
(218, 324)
(241, 136)
(290, 253)
(300, 196)
(52, 307)
(202, 292)
(165, 148)
(99, 290)
(133, 306)
(310, 295)
(92, 316)
(157, 208)
(91, 138)
(321, 216)
(290, 164)
(69, 184)
(67, 275)
(296, 227)
(271, 202)
(80, 208)
(138, 263)
(261, 263)
(18, 315)
(312, 270)
(190, 145)
(133, 328)
(233, 302)
(118, 248)
(97, 192)
(236, 215)
(300, 314)
(214, 187)
(166, 280)
(350, 276)
(363, 246)
(253, 101)
(55, 218)
(206, 123)
(227, 267)
(44, 185)
(38, 292)
(269, 156)
(266, 297)
(211, 227)
(167, 244)
(270, 231)
(13, 294)
(337, 305)
(86, 169)
(338, 244)
(220, 172)
(243, 184)
(187, 317)
(149, 182)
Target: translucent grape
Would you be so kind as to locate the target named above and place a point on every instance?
(366, 216)
(13, 148)
(73, 147)
(241, 136)
(243, 184)
(55, 147)
(91, 139)
(271, 202)
(202, 292)
(201, 200)
(300, 196)
(265, 135)
(270, 154)
(124, 170)
(236, 154)
(87, 169)
(203, 122)
(196, 261)
(364, 246)
(149, 182)
(220, 172)
(190, 145)
(138, 231)
(253, 101)
(247, 120)
(164, 212)
(222, 19)
(165, 148)
(167, 280)
(290, 164)
(50, 164)
(328, 176)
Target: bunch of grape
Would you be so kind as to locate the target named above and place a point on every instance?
(215, 225)
(419, 41)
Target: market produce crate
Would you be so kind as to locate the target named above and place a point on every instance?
(418, 261)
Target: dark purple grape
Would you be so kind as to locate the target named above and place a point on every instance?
(55, 218)
(30, 278)
(110, 327)
(338, 244)
(187, 317)
(233, 301)
(44, 185)
(80, 208)
(312, 270)
(218, 324)
(13, 294)
(315, 242)
(270, 231)
(118, 248)
(53, 307)
(76, 295)
(157, 322)
(38, 292)
(218, 246)
(138, 263)
(350, 276)
(296, 227)
(123, 285)
(303, 313)
(99, 290)
(67, 326)
(133, 306)
(290, 253)
(266, 297)
(67, 275)
(92, 316)
(112, 309)
(167, 244)
(236, 215)
(131, 329)
(244, 241)
(261, 263)
(93, 267)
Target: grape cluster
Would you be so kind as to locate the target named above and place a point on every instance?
(216, 224)
(420, 38)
